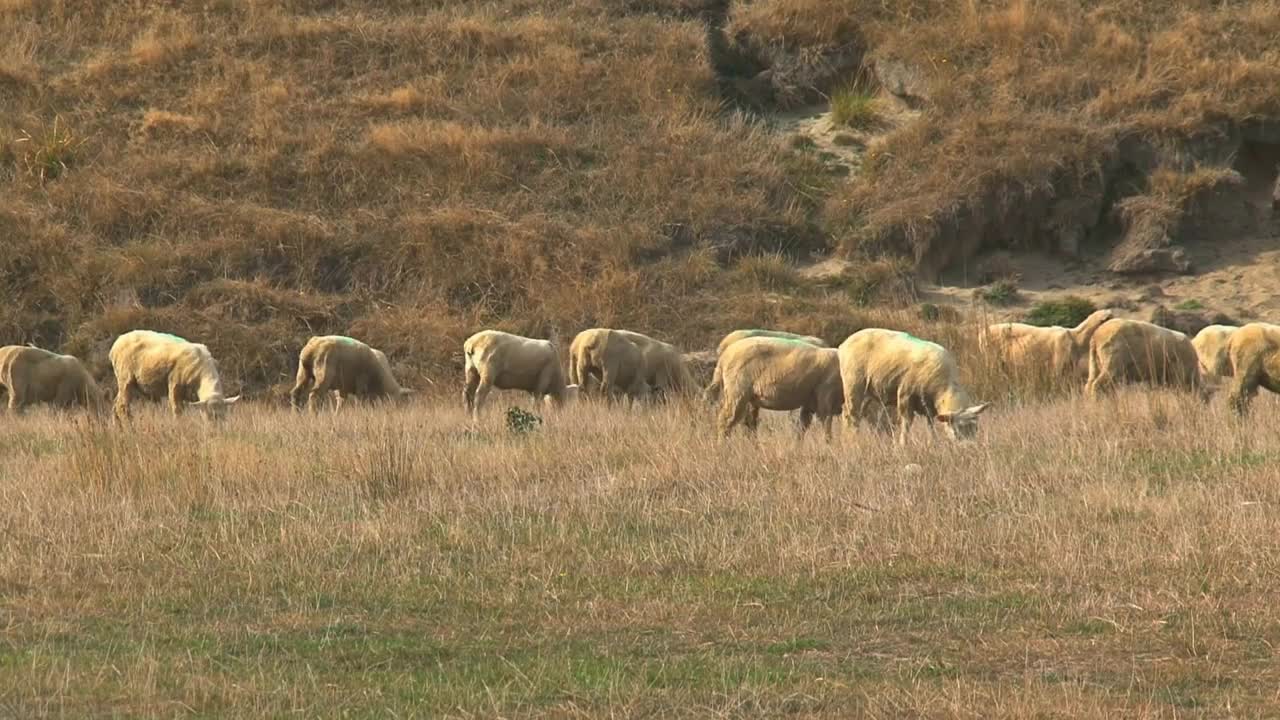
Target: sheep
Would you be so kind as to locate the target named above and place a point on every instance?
(712, 393)
(152, 364)
(909, 375)
(32, 375)
(496, 359)
(664, 365)
(1254, 352)
(1136, 351)
(1211, 349)
(1056, 351)
(613, 357)
(778, 374)
(347, 367)
(737, 335)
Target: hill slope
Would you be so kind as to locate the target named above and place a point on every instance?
(252, 173)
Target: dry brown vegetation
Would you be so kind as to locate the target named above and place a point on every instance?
(1083, 560)
(250, 174)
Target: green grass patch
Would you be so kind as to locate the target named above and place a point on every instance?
(1067, 312)
(854, 107)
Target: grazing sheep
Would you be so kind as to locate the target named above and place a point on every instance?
(496, 359)
(712, 393)
(1211, 348)
(154, 365)
(1056, 351)
(31, 375)
(612, 357)
(737, 335)
(909, 375)
(778, 374)
(346, 367)
(1255, 356)
(1130, 351)
(665, 370)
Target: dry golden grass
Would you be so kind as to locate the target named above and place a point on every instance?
(1081, 560)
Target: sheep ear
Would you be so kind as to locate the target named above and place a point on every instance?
(977, 409)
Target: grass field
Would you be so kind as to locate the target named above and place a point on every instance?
(1082, 560)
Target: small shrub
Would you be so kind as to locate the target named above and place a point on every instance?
(845, 140)
(1189, 304)
(385, 470)
(1001, 292)
(875, 281)
(1067, 312)
(769, 272)
(855, 108)
(930, 312)
(521, 421)
(47, 154)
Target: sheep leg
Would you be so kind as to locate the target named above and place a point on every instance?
(803, 421)
(732, 412)
(1246, 386)
(853, 401)
(905, 415)
(16, 401)
(469, 389)
(826, 425)
(124, 398)
(300, 384)
(752, 421)
(481, 393)
(175, 399)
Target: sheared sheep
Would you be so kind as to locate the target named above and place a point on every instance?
(1131, 351)
(1255, 356)
(1211, 348)
(32, 375)
(1057, 351)
(612, 357)
(665, 370)
(496, 359)
(778, 374)
(153, 365)
(712, 393)
(909, 375)
(346, 367)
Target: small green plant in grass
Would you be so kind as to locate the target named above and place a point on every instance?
(1067, 312)
(1189, 304)
(522, 421)
(47, 154)
(854, 107)
(1001, 292)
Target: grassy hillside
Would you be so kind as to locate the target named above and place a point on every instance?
(252, 173)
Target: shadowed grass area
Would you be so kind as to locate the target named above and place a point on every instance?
(611, 561)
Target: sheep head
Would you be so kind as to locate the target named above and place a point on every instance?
(962, 424)
(214, 407)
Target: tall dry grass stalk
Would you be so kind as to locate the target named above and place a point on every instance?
(1086, 559)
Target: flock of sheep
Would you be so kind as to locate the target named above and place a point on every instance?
(884, 377)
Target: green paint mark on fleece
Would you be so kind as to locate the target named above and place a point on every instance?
(171, 338)
(347, 340)
(913, 338)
